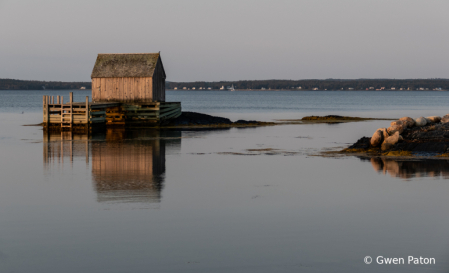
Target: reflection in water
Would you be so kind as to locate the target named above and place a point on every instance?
(127, 166)
(407, 169)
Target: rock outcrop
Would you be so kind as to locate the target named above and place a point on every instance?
(429, 134)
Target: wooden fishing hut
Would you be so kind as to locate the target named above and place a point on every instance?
(128, 78)
(127, 89)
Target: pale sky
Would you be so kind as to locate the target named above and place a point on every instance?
(211, 40)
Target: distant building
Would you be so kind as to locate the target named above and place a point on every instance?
(176, 88)
(350, 88)
(393, 88)
(382, 88)
(209, 88)
(222, 88)
(299, 87)
(371, 88)
(193, 88)
(184, 88)
(315, 89)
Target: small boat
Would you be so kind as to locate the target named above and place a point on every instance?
(231, 88)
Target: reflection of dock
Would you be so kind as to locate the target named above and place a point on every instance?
(127, 165)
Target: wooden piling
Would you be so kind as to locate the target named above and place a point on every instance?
(87, 110)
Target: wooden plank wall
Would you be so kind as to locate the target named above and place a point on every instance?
(128, 89)
(158, 83)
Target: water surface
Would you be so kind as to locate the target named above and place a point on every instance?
(232, 200)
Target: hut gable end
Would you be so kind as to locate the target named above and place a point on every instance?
(125, 65)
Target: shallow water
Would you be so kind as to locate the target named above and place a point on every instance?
(234, 200)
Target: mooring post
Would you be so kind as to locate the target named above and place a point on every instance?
(47, 110)
(71, 109)
(87, 110)
(57, 99)
(43, 107)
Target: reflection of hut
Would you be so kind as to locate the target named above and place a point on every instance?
(128, 170)
(127, 165)
(128, 78)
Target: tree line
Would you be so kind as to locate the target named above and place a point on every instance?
(10, 84)
(328, 84)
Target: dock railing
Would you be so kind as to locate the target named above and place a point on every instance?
(65, 114)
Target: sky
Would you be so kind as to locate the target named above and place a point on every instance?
(211, 40)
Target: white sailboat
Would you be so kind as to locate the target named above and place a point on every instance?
(231, 88)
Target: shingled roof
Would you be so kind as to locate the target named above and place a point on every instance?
(125, 65)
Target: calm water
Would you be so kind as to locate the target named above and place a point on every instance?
(237, 200)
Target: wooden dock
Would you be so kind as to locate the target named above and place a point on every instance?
(56, 113)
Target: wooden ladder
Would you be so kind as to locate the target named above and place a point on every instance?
(67, 113)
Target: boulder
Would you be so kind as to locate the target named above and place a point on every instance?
(434, 119)
(445, 119)
(410, 122)
(377, 138)
(398, 122)
(395, 128)
(390, 141)
(421, 121)
(384, 133)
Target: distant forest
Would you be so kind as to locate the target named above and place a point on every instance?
(328, 84)
(9, 84)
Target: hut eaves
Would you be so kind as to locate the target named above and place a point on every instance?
(125, 65)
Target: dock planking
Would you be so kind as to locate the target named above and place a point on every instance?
(68, 114)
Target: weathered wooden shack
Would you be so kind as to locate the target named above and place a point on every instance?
(128, 78)
(127, 89)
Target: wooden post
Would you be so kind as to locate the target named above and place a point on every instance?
(71, 109)
(52, 99)
(57, 99)
(44, 106)
(87, 110)
(47, 110)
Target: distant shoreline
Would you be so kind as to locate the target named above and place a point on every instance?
(258, 85)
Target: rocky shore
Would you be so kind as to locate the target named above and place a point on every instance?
(407, 137)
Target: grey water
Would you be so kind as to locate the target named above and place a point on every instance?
(231, 200)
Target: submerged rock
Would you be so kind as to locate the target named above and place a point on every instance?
(195, 119)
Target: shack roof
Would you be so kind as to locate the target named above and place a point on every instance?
(125, 65)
